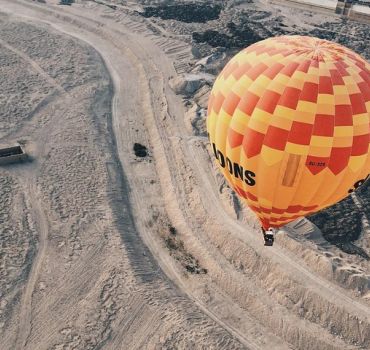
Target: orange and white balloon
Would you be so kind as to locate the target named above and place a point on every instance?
(289, 124)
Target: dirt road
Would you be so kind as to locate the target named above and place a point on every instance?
(263, 299)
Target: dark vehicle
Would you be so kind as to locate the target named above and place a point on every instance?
(66, 2)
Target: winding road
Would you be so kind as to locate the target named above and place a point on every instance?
(133, 56)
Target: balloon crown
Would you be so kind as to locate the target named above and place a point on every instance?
(312, 48)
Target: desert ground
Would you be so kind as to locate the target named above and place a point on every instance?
(118, 232)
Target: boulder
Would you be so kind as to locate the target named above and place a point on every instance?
(188, 84)
(211, 59)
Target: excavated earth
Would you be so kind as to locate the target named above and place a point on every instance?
(118, 232)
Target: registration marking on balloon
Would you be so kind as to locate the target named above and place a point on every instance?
(293, 111)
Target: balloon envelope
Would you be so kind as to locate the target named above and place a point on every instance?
(288, 121)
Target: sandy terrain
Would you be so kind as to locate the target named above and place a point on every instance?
(102, 248)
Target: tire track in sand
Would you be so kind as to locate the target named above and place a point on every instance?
(34, 65)
(25, 317)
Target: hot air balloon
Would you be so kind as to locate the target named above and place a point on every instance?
(288, 122)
